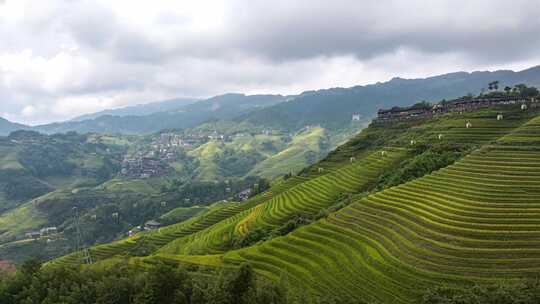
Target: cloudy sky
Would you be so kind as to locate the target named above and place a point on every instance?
(62, 58)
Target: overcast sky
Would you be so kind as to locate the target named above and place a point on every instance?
(60, 59)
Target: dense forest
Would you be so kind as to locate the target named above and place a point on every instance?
(171, 284)
(124, 284)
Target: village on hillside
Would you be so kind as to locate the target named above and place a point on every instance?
(167, 147)
(519, 95)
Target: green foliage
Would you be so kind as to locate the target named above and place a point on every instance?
(426, 161)
(253, 236)
(180, 214)
(124, 284)
(238, 163)
(19, 185)
(61, 154)
(527, 292)
(525, 91)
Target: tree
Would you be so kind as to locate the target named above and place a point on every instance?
(529, 92)
(494, 85)
(240, 284)
(31, 266)
(161, 285)
(520, 87)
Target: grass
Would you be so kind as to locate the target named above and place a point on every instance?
(8, 159)
(182, 213)
(65, 182)
(19, 220)
(206, 154)
(124, 185)
(294, 157)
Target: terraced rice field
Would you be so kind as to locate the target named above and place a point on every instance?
(317, 194)
(150, 241)
(477, 220)
(307, 198)
(483, 126)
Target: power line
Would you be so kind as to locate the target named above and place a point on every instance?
(84, 252)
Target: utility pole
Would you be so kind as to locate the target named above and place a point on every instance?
(84, 252)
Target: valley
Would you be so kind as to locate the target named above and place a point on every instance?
(339, 207)
(401, 207)
(119, 182)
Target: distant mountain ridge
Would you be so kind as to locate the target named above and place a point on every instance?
(331, 108)
(220, 107)
(7, 126)
(140, 109)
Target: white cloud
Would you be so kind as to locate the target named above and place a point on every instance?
(60, 58)
(28, 111)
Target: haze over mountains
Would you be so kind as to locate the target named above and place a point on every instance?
(7, 126)
(331, 108)
(140, 109)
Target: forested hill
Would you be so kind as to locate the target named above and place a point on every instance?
(219, 107)
(141, 109)
(332, 108)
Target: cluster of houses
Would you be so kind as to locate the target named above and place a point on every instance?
(464, 104)
(187, 139)
(311, 127)
(46, 232)
(143, 167)
(174, 140)
(152, 161)
(356, 117)
(165, 146)
(244, 194)
(150, 225)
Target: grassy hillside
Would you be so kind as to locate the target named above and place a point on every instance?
(300, 200)
(474, 221)
(304, 149)
(45, 176)
(264, 155)
(330, 231)
(222, 230)
(254, 151)
(147, 242)
(32, 165)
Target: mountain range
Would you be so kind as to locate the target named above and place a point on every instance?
(7, 126)
(140, 109)
(331, 108)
